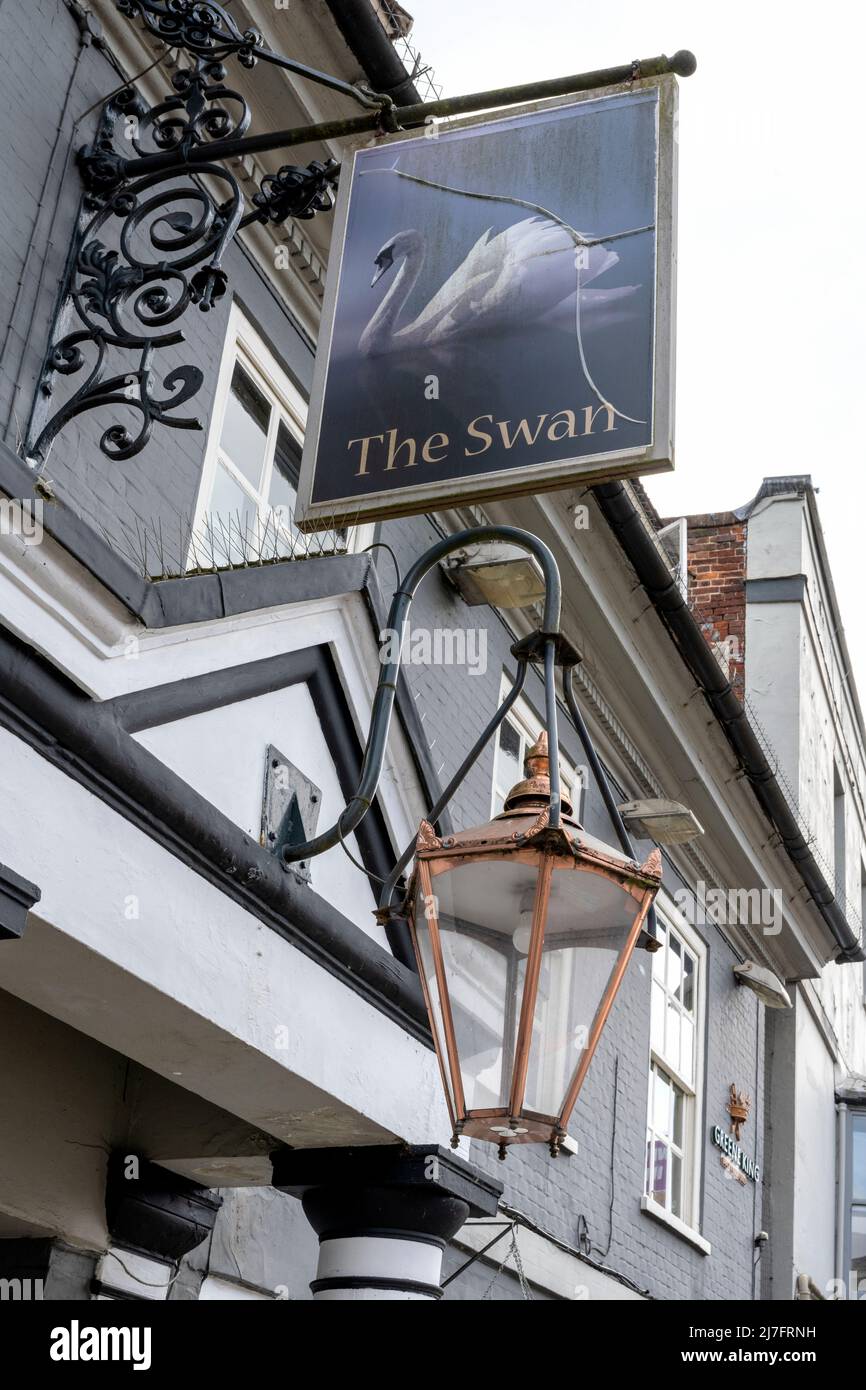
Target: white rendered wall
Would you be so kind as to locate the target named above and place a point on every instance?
(799, 687)
(194, 987)
(222, 754)
(815, 1163)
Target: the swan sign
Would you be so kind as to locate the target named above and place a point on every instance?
(498, 316)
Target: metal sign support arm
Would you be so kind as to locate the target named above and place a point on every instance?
(547, 640)
(389, 118)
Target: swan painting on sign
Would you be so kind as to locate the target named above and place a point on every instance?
(498, 313)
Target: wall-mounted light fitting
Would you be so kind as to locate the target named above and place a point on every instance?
(665, 822)
(764, 983)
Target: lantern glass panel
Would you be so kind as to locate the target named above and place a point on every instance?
(484, 913)
(588, 923)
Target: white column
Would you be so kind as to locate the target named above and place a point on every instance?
(383, 1215)
(372, 1267)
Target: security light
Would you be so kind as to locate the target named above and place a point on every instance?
(665, 822)
(502, 575)
(764, 983)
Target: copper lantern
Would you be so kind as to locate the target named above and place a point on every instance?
(522, 933)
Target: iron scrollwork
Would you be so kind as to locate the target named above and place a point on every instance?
(201, 27)
(296, 192)
(148, 247)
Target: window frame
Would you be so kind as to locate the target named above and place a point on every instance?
(244, 346)
(852, 1202)
(529, 727)
(863, 923)
(689, 1222)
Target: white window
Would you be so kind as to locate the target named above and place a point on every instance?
(673, 1118)
(674, 540)
(122, 1272)
(249, 484)
(517, 733)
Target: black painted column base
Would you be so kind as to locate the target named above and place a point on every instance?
(383, 1215)
(154, 1211)
(17, 896)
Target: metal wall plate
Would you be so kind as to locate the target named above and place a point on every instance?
(290, 808)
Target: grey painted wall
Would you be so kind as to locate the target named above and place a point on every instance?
(50, 80)
(261, 1239)
(610, 1165)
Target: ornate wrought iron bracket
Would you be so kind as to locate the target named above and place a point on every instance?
(154, 225)
(149, 243)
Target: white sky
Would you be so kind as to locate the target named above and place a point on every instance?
(771, 324)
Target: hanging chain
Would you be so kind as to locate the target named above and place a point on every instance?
(513, 1249)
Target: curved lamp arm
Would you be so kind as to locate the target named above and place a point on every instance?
(386, 897)
(546, 641)
(603, 784)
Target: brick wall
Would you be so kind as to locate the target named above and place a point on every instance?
(717, 586)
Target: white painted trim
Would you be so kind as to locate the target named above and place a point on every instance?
(544, 1263)
(226, 368)
(217, 1289)
(679, 1228)
(60, 610)
(377, 1257)
(244, 345)
(808, 991)
(694, 1091)
(842, 1207)
(342, 624)
(54, 604)
(129, 1272)
(370, 1296)
(195, 987)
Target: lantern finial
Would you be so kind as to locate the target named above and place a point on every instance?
(537, 760)
(534, 791)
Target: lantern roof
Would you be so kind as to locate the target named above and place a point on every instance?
(523, 827)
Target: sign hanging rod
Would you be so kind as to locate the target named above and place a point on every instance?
(392, 118)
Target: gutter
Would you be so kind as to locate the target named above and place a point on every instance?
(639, 547)
(362, 30)
(88, 742)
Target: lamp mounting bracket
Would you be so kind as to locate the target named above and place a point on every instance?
(533, 646)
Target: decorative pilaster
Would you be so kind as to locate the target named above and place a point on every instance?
(383, 1215)
(155, 1211)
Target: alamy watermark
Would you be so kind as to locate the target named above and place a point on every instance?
(21, 1290)
(724, 907)
(437, 646)
(22, 518)
(77, 1343)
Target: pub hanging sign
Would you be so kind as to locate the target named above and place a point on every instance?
(499, 311)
